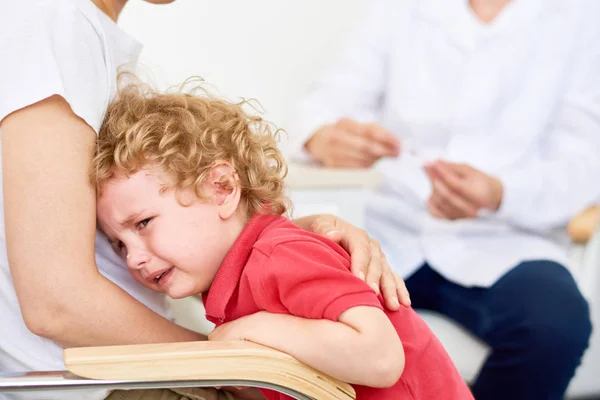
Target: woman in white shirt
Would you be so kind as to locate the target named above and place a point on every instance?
(485, 116)
(65, 286)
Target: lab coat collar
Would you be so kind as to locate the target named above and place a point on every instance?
(466, 30)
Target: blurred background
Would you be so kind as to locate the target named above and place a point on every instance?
(268, 50)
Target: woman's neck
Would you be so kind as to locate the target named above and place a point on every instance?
(487, 10)
(112, 8)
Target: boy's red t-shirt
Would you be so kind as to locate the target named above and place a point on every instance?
(277, 267)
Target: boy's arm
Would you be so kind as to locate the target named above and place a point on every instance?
(342, 329)
(363, 348)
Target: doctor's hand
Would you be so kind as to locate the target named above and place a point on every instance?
(350, 144)
(461, 191)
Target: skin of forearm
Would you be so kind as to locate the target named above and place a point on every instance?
(100, 313)
(331, 347)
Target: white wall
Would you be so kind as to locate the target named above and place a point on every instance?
(265, 49)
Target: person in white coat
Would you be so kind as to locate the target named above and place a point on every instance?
(484, 120)
(61, 285)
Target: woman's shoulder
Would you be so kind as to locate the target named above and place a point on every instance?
(61, 47)
(43, 10)
(76, 18)
(49, 23)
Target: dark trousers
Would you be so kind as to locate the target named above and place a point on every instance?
(534, 319)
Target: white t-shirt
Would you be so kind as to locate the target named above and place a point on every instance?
(69, 48)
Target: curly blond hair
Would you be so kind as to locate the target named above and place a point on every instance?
(184, 135)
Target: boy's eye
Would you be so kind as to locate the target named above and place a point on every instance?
(143, 223)
(119, 247)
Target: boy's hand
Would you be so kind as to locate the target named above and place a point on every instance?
(368, 261)
(241, 328)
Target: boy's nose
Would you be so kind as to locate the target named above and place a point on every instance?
(137, 259)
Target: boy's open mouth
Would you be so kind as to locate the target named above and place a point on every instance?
(161, 277)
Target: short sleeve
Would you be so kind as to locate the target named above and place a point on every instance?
(52, 48)
(311, 280)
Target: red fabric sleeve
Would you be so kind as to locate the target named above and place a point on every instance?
(311, 280)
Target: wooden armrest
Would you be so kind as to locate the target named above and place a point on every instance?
(583, 225)
(215, 361)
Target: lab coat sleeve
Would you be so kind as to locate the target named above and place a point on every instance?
(545, 192)
(353, 87)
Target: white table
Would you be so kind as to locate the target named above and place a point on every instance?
(317, 190)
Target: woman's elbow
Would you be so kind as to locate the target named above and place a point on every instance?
(45, 318)
(51, 308)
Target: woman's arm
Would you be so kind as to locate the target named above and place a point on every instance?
(50, 228)
(363, 348)
(367, 258)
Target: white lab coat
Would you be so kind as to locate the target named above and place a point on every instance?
(518, 98)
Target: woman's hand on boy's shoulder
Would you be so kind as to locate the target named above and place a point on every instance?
(368, 261)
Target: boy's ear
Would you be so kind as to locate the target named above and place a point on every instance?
(225, 184)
